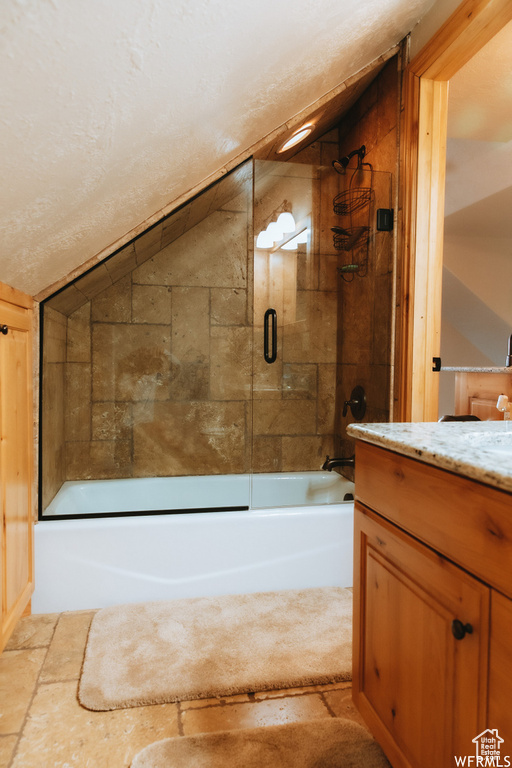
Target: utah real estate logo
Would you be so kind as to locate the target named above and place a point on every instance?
(488, 752)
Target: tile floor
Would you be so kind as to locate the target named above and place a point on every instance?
(42, 724)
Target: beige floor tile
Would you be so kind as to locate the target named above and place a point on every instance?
(33, 631)
(7, 744)
(254, 714)
(59, 733)
(66, 652)
(200, 703)
(280, 692)
(19, 671)
(341, 704)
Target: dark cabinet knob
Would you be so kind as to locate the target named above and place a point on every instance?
(4, 329)
(460, 630)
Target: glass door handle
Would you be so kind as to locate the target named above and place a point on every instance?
(270, 319)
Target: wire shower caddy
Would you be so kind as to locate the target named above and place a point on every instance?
(354, 237)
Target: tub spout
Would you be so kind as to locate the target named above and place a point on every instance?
(329, 464)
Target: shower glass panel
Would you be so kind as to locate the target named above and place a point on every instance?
(147, 358)
(295, 286)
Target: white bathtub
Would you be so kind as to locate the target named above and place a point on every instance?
(304, 540)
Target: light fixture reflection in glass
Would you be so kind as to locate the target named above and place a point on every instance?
(264, 240)
(286, 222)
(291, 245)
(274, 231)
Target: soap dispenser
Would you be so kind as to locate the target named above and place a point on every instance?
(504, 405)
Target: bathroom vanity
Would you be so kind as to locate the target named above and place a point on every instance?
(432, 651)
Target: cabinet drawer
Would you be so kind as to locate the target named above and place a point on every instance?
(468, 522)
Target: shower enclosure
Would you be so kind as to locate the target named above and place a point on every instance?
(207, 346)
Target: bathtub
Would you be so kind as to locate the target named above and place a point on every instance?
(105, 542)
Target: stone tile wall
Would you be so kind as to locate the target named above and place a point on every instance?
(365, 309)
(158, 374)
(53, 396)
(158, 370)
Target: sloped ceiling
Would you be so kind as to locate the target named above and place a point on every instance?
(112, 110)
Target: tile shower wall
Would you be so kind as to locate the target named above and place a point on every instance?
(158, 373)
(156, 349)
(365, 310)
(53, 395)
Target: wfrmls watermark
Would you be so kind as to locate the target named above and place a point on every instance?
(488, 752)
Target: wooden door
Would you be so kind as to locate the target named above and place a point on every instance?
(15, 462)
(418, 687)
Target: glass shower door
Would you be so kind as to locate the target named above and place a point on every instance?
(295, 317)
(147, 359)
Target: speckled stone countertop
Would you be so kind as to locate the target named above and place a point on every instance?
(494, 369)
(478, 450)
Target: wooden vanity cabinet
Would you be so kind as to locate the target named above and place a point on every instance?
(426, 686)
(500, 668)
(16, 462)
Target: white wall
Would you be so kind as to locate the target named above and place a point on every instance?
(438, 13)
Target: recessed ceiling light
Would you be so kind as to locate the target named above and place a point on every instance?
(296, 137)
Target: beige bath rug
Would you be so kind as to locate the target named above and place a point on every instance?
(316, 744)
(152, 653)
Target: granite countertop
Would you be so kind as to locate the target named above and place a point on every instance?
(481, 450)
(494, 369)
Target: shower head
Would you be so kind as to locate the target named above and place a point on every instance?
(341, 165)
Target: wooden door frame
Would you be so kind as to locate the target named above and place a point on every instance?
(422, 182)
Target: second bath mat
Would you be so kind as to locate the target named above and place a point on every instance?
(178, 650)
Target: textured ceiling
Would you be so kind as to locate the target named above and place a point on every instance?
(110, 111)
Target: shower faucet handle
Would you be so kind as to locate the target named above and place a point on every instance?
(348, 403)
(357, 403)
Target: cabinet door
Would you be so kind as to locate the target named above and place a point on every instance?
(500, 669)
(419, 688)
(15, 463)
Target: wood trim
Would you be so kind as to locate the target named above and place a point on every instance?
(433, 118)
(423, 149)
(16, 614)
(13, 296)
(16, 461)
(15, 317)
(467, 30)
(407, 194)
